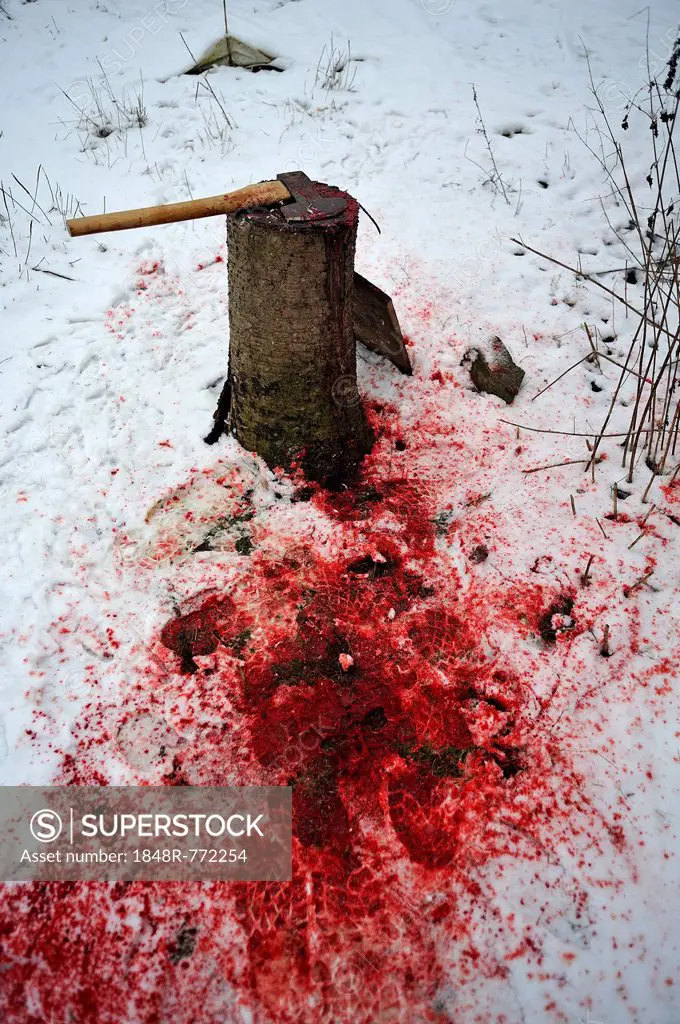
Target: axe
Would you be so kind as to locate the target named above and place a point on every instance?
(299, 201)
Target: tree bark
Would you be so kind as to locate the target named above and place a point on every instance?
(292, 352)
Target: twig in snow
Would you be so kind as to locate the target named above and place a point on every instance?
(561, 433)
(16, 202)
(30, 242)
(652, 262)
(495, 178)
(203, 81)
(32, 196)
(555, 381)
(601, 528)
(582, 275)
(584, 359)
(556, 465)
(627, 591)
(652, 509)
(53, 273)
(585, 576)
(593, 346)
(9, 221)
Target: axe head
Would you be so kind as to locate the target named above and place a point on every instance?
(307, 203)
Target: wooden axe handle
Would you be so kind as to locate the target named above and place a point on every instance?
(265, 193)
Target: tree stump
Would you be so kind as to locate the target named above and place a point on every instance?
(292, 351)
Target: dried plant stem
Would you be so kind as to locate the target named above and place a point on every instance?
(556, 465)
(495, 178)
(649, 373)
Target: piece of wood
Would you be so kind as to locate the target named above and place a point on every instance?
(496, 375)
(376, 324)
(265, 193)
(292, 352)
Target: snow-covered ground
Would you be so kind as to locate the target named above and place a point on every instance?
(538, 883)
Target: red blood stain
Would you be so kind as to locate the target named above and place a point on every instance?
(149, 267)
(413, 767)
(202, 266)
(197, 633)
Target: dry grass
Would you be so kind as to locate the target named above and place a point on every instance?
(102, 112)
(27, 215)
(336, 68)
(648, 234)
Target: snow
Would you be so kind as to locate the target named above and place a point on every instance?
(110, 374)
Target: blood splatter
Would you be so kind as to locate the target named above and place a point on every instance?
(418, 755)
(402, 694)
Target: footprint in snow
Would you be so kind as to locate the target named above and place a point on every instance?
(509, 131)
